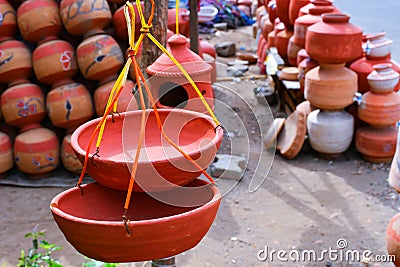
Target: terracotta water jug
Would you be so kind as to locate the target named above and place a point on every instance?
(6, 154)
(282, 42)
(69, 159)
(15, 62)
(282, 10)
(383, 78)
(8, 25)
(304, 67)
(294, 8)
(317, 3)
(292, 51)
(271, 10)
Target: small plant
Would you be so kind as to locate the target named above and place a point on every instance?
(40, 253)
(94, 263)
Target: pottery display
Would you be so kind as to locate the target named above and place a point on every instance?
(383, 78)
(68, 158)
(37, 151)
(16, 62)
(292, 136)
(330, 86)
(39, 20)
(330, 132)
(160, 165)
(335, 29)
(8, 25)
(294, 8)
(6, 153)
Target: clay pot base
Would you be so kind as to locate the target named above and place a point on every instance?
(377, 159)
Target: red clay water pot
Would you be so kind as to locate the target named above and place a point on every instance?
(271, 40)
(317, 3)
(301, 55)
(261, 42)
(170, 87)
(69, 160)
(99, 57)
(184, 28)
(8, 25)
(330, 86)
(6, 153)
(304, 67)
(383, 78)
(334, 29)
(23, 106)
(393, 239)
(85, 17)
(282, 43)
(266, 27)
(160, 165)
(119, 23)
(37, 151)
(15, 62)
(380, 109)
(39, 20)
(92, 222)
(69, 105)
(54, 62)
(282, 10)
(376, 144)
(292, 51)
(271, 10)
(294, 8)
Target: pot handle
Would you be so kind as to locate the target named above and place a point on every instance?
(357, 98)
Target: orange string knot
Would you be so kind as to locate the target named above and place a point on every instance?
(132, 53)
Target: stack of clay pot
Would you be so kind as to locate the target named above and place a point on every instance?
(331, 86)
(380, 108)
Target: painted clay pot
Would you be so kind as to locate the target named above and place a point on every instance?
(294, 8)
(160, 166)
(292, 51)
(167, 229)
(6, 154)
(380, 109)
(330, 132)
(317, 3)
(119, 23)
(330, 86)
(39, 20)
(85, 17)
(124, 101)
(393, 239)
(383, 79)
(302, 23)
(69, 160)
(184, 28)
(376, 144)
(171, 88)
(334, 29)
(377, 46)
(22, 105)
(99, 57)
(282, 43)
(8, 25)
(54, 62)
(37, 151)
(15, 62)
(271, 10)
(282, 10)
(69, 105)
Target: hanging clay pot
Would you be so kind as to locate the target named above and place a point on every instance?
(125, 100)
(96, 229)
(292, 51)
(317, 3)
(119, 23)
(330, 86)
(302, 23)
(171, 88)
(99, 57)
(292, 136)
(85, 17)
(330, 132)
(69, 105)
(282, 43)
(6, 154)
(271, 10)
(376, 144)
(159, 163)
(294, 8)
(8, 24)
(22, 105)
(37, 151)
(334, 29)
(380, 109)
(54, 62)
(39, 20)
(377, 46)
(383, 79)
(69, 159)
(282, 10)
(15, 62)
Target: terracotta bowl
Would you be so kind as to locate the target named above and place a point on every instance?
(93, 223)
(161, 167)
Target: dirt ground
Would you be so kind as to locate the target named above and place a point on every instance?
(304, 204)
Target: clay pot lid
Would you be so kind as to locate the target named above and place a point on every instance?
(322, 2)
(273, 132)
(289, 74)
(304, 107)
(292, 136)
(251, 58)
(192, 62)
(373, 36)
(319, 10)
(335, 18)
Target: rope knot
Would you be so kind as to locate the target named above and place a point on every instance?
(131, 53)
(146, 28)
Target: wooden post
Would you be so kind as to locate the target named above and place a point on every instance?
(194, 30)
(150, 52)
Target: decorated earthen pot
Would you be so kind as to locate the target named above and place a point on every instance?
(119, 23)
(54, 62)
(335, 29)
(37, 151)
(69, 159)
(383, 78)
(15, 62)
(377, 46)
(8, 25)
(6, 154)
(39, 20)
(69, 105)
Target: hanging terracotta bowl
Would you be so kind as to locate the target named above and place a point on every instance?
(92, 221)
(160, 166)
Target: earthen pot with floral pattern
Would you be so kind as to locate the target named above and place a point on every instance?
(377, 144)
(383, 78)
(15, 62)
(69, 105)
(37, 151)
(334, 29)
(54, 62)
(6, 153)
(69, 160)
(99, 57)
(8, 24)
(330, 86)
(22, 105)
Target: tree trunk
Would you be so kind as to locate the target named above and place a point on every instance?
(194, 30)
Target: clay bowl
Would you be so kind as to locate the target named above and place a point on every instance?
(92, 221)
(161, 167)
